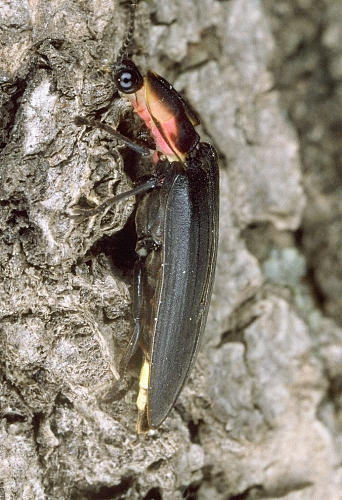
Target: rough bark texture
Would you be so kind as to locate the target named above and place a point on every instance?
(261, 415)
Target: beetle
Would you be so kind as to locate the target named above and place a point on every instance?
(177, 233)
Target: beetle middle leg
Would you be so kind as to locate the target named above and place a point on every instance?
(141, 189)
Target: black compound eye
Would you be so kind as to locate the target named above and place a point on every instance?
(129, 79)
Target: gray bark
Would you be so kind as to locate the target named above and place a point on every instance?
(261, 414)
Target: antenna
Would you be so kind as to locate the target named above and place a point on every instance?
(123, 53)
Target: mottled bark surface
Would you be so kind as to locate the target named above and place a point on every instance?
(261, 414)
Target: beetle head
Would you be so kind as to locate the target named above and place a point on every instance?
(127, 77)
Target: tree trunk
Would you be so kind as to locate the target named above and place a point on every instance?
(261, 414)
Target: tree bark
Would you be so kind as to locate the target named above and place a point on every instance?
(261, 414)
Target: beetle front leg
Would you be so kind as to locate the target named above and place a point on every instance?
(138, 148)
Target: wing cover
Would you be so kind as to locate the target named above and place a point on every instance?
(189, 258)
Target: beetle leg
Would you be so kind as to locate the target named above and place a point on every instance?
(138, 148)
(143, 188)
(142, 424)
(136, 310)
